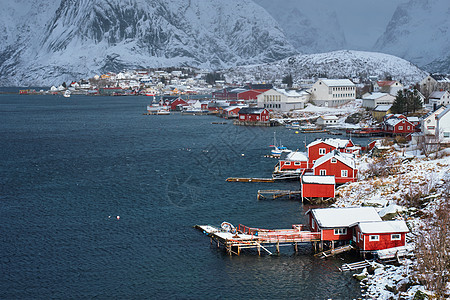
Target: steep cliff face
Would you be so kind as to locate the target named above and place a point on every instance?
(84, 37)
(419, 31)
(311, 26)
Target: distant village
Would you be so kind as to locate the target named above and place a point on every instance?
(281, 102)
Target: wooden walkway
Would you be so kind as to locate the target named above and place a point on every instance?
(334, 251)
(256, 238)
(275, 194)
(239, 179)
(356, 266)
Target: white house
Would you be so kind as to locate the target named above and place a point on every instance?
(429, 121)
(437, 99)
(434, 82)
(327, 120)
(333, 92)
(388, 86)
(443, 125)
(372, 100)
(280, 100)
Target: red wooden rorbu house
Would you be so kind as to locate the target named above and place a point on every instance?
(379, 235)
(291, 166)
(337, 224)
(254, 115)
(340, 165)
(320, 147)
(398, 126)
(317, 186)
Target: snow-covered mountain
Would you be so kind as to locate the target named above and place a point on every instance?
(75, 39)
(337, 64)
(311, 26)
(419, 31)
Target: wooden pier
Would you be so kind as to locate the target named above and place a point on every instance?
(245, 237)
(334, 251)
(356, 266)
(275, 194)
(239, 179)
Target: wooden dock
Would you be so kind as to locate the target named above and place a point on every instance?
(239, 179)
(334, 251)
(245, 237)
(276, 194)
(356, 266)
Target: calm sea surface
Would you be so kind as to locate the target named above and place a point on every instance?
(69, 167)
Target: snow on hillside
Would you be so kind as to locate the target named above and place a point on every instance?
(413, 176)
(337, 64)
(419, 32)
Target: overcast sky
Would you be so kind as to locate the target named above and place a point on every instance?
(363, 21)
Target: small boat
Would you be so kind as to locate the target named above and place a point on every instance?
(67, 94)
(278, 149)
(162, 112)
(293, 125)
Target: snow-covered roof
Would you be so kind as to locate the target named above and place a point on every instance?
(383, 107)
(440, 115)
(338, 82)
(437, 94)
(338, 143)
(344, 217)
(329, 117)
(297, 156)
(292, 93)
(374, 96)
(342, 157)
(413, 119)
(318, 179)
(383, 226)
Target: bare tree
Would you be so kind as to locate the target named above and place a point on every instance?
(432, 251)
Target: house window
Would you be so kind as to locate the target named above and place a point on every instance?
(333, 160)
(400, 127)
(313, 225)
(340, 231)
(288, 163)
(323, 172)
(395, 237)
(322, 151)
(374, 238)
(408, 127)
(344, 173)
(297, 163)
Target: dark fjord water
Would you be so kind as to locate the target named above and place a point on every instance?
(70, 166)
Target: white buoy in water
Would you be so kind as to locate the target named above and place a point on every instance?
(243, 154)
(118, 217)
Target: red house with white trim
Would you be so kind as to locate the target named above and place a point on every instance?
(177, 104)
(337, 224)
(292, 165)
(320, 147)
(379, 235)
(317, 186)
(398, 124)
(340, 165)
(248, 114)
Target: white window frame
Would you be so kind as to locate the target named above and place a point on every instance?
(396, 237)
(287, 163)
(333, 160)
(322, 151)
(297, 163)
(400, 127)
(344, 173)
(374, 238)
(340, 231)
(322, 172)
